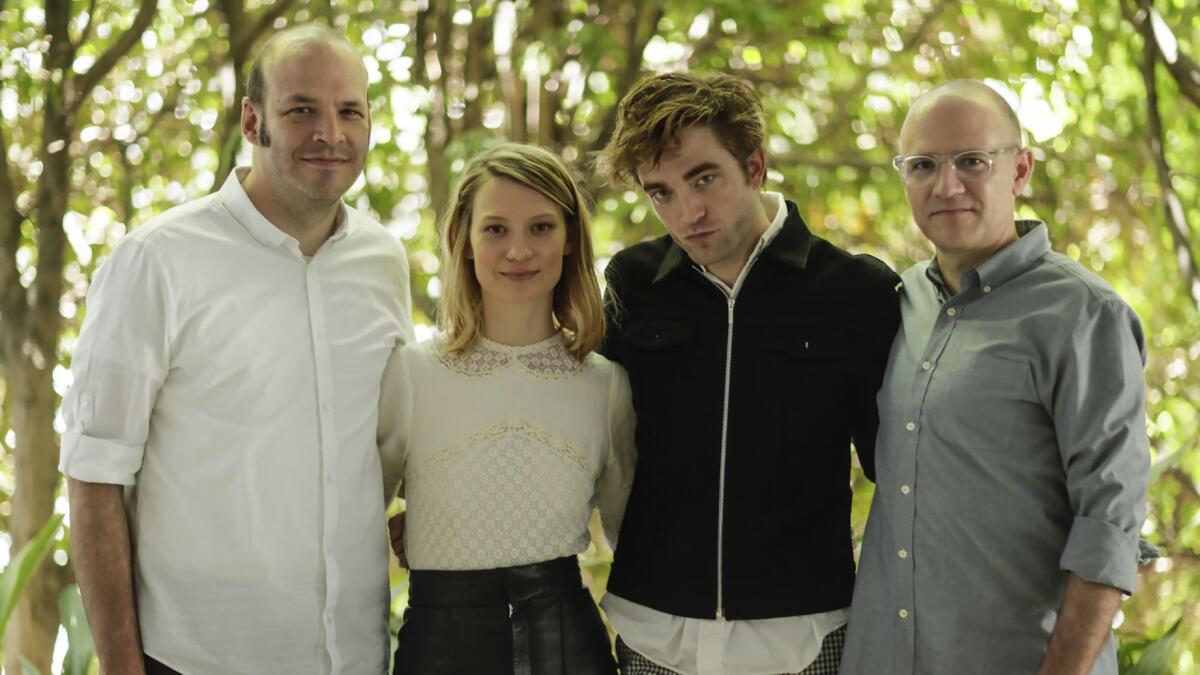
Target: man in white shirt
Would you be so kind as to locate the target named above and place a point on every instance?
(225, 487)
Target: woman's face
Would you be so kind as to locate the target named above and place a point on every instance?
(518, 238)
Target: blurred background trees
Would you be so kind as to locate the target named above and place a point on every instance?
(112, 111)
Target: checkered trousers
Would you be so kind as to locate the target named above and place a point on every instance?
(827, 662)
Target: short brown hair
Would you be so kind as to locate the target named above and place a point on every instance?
(578, 310)
(653, 113)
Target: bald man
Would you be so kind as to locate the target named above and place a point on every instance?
(1012, 453)
(225, 488)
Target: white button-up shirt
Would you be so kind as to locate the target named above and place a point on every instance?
(233, 387)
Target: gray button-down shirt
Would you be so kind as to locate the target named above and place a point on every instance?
(1012, 450)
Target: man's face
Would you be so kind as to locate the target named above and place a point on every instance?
(709, 205)
(964, 218)
(312, 131)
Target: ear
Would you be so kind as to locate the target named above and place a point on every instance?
(1023, 171)
(568, 248)
(756, 168)
(467, 252)
(251, 118)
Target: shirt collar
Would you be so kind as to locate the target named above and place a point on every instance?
(787, 230)
(1033, 240)
(237, 202)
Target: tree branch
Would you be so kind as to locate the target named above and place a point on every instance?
(1176, 215)
(1183, 69)
(259, 25)
(87, 28)
(108, 60)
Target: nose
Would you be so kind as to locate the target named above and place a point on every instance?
(692, 208)
(518, 248)
(946, 183)
(329, 130)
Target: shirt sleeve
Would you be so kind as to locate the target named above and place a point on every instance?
(616, 476)
(395, 414)
(1100, 423)
(120, 362)
(405, 298)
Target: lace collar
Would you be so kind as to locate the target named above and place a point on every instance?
(546, 359)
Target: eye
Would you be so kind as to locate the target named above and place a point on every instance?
(659, 196)
(706, 179)
(493, 229)
(543, 227)
(300, 110)
(921, 165)
(974, 162)
(353, 112)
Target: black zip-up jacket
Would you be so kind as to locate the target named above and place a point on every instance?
(811, 330)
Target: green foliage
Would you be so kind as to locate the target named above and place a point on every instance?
(16, 574)
(81, 651)
(1155, 655)
(835, 76)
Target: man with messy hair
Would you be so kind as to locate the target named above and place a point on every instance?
(754, 350)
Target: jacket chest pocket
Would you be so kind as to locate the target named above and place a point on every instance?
(666, 368)
(809, 363)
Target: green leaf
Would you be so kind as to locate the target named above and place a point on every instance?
(14, 577)
(28, 668)
(1155, 659)
(81, 649)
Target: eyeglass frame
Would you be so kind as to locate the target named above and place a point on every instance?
(940, 159)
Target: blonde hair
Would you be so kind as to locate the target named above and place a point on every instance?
(577, 306)
(657, 109)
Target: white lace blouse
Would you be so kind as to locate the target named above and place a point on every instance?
(501, 452)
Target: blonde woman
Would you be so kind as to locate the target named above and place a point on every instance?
(505, 431)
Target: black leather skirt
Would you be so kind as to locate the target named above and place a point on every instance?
(534, 619)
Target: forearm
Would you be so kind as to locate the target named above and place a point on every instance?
(100, 551)
(1084, 623)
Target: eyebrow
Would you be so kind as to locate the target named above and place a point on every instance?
(691, 173)
(546, 215)
(301, 98)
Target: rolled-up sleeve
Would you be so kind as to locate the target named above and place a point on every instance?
(1100, 423)
(120, 361)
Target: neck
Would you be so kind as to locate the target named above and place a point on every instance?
(953, 264)
(517, 324)
(308, 221)
(730, 272)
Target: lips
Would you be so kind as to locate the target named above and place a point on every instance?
(326, 161)
(519, 275)
(951, 212)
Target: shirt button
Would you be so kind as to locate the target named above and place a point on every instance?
(910, 426)
(926, 366)
(903, 613)
(903, 554)
(904, 489)
(951, 312)
(987, 289)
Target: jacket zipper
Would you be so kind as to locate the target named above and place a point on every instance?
(721, 486)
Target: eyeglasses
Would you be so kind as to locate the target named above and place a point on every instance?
(969, 165)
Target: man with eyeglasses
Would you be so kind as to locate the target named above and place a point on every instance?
(1012, 454)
